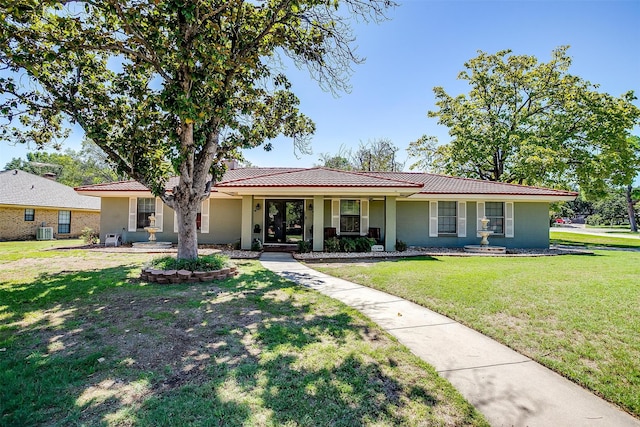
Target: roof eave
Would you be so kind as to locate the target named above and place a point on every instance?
(551, 198)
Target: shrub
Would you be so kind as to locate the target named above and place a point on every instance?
(90, 236)
(256, 245)
(364, 244)
(595, 219)
(304, 246)
(332, 245)
(401, 246)
(348, 244)
(202, 263)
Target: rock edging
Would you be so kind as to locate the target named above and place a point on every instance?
(186, 276)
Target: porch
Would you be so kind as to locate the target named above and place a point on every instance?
(283, 221)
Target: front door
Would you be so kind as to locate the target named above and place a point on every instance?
(284, 221)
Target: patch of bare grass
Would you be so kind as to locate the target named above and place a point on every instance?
(96, 346)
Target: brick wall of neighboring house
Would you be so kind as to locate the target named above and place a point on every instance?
(14, 227)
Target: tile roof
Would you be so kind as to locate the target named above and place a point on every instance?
(422, 183)
(25, 189)
(317, 177)
(442, 184)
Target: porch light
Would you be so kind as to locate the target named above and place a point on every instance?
(257, 207)
(310, 206)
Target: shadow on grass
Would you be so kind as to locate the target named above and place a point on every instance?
(97, 348)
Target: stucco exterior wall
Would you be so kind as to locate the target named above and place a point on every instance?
(531, 226)
(224, 222)
(14, 227)
(412, 222)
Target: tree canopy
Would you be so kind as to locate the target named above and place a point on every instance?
(529, 122)
(171, 87)
(376, 155)
(72, 168)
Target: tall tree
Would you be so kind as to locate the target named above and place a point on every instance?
(73, 168)
(377, 155)
(530, 123)
(171, 87)
(340, 160)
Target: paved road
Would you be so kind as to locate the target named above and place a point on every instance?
(580, 228)
(508, 388)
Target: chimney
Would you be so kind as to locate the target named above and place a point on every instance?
(231, 164)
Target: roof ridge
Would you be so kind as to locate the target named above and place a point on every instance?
(282, 172)
(369, 174)
(481, 180)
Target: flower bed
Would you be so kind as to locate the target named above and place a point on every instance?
(186, 276)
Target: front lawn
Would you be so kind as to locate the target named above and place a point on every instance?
(83, 342)
(576, 314)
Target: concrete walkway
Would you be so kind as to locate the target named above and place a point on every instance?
(507, 387)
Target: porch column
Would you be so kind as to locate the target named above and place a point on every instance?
(389, 223)
(318, 223)
(246, 229)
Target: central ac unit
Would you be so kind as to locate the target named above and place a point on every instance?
(45, 233)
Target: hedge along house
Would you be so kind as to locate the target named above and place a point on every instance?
(285, 205)
(30, 204)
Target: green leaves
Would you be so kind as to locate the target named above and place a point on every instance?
(169, 87)
(531, 123)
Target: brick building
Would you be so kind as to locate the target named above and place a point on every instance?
(29, 202)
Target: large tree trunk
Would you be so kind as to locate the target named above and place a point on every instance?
(187, 212)
(631, 210)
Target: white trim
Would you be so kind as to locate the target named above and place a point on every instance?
(462, 219)
(364, 217)
(159, 214)
(204, 216)
(175, 221)
(335, 215)
(133, 212)
(479, 216)
(433, 219)
(509, 228)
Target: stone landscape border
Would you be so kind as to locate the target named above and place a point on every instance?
(186, 276)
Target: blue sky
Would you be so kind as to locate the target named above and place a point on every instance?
(425, 44)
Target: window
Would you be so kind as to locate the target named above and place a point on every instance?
(199, 217)
(350, 216)
(64, 222)
(447, 217)
(494, 211)
(29, 214)
(146, 206)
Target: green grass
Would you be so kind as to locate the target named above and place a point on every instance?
(11, 251)
(589, 240)
(85, 343)
(576, 314)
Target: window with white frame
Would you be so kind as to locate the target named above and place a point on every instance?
(64, 222)
(349, 216)
(447, 217)
(494, 212)
(146, 206)
(29, 214)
